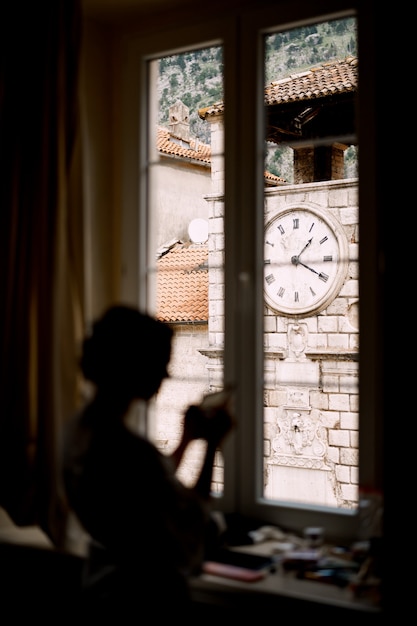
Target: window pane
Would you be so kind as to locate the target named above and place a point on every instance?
(186, 250)
(311, 266)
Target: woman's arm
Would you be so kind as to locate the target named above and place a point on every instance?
(218, 425)
(212, 425)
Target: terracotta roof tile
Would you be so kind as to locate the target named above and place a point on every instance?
(329, 78)
(167, 143)
(273, 180)
(182, 283)
(317, 82)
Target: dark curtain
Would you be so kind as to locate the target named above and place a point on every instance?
(40, 234)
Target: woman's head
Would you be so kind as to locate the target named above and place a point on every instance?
(127, 350)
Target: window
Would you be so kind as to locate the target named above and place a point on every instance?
(252, 356)
(186, 240)
(311, 277)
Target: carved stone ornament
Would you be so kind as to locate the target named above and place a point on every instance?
(300, 433)
(297, 339)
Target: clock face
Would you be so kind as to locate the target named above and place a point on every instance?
(305, 256)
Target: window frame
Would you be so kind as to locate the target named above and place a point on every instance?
(241, 32)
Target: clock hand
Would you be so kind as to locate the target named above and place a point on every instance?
(295, 260)
(306, 246)
(307, 267)
(322, 276)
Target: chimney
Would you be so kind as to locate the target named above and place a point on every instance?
(179, 121)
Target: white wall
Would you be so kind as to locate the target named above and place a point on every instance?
(180, 188)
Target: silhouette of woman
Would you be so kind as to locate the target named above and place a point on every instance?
(148, 530)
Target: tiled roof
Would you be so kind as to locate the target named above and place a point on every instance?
(182, 283)
(176, 147)
(334, 77)
(317, 82)
(273, 181)
(166, 143)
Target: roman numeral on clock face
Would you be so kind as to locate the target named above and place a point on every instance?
(270, 279)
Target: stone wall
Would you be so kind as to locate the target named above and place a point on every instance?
(311, 373)
(311, 364)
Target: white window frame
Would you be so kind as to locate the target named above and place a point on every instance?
(241, 35)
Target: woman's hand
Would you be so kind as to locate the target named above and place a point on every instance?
(211, 424)
(218, 424)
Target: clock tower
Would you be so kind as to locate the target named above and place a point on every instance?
(311, 290)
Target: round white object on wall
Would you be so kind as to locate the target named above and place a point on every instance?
(198, 230)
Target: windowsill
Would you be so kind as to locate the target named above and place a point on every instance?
(275, 588)
(280, 589)
(276, 591)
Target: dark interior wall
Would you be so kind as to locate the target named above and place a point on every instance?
(39, 583)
